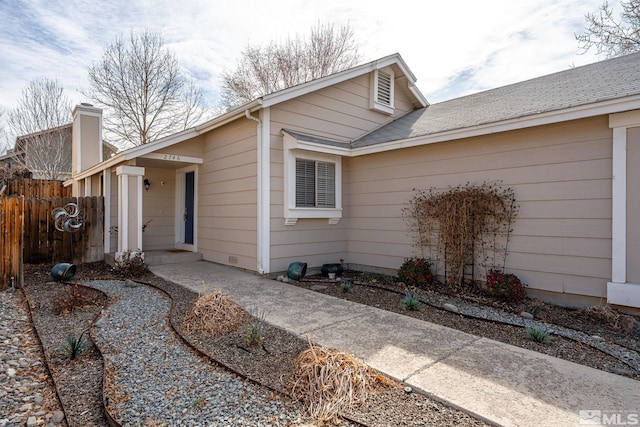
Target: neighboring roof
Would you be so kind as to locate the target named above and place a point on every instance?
(590, 84)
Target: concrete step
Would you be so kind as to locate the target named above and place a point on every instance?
(161, 257)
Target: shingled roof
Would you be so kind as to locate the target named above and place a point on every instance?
(590, 84)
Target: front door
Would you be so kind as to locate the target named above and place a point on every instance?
(189, 196)
(186, 209)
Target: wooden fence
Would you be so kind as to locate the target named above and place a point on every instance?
(31, 237)
(11, 224)
(36, 188)
(43, 243)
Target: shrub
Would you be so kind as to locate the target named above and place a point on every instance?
(415, 272)
(346, 285)
(505, 286)
(537, 333)
(411, 302)
(74, 346)
(71, 297)
(214, 315)
(328, 382)
(130, 264)
(254, 330)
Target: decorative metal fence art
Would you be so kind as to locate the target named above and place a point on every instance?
(68, 218)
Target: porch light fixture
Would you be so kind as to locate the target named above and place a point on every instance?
(147, 184)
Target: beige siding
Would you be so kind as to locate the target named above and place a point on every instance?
(633, 205)
(561, 175)
(227, 196)
(339, 112)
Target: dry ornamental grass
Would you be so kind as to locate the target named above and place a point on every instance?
(328, 382)
(601, 313)
(214, 315)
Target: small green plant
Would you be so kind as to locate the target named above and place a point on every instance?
(505, 286)
(130, 265)
(537, 333)
(254, 331)
(415, 272)
(199, 402)
(346, 285)
(411, 302)
(74, 346)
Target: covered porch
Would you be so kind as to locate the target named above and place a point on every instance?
(153, 208)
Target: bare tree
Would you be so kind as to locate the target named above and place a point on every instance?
(41, 120)
(611, 36)
(144, 93)
(266, 69)
(4, 134)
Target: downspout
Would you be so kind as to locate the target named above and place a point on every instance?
(263, 196)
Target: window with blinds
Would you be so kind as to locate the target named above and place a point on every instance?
(315, 184)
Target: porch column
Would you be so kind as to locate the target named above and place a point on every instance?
(129, 209)
(622, 290)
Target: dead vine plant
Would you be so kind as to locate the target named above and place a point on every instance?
(466, 224)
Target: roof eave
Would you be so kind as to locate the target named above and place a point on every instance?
(229, 116)
(323, 82)
(550, 117)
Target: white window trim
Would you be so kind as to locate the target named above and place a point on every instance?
(293, 213)
(374, 104)
(619, 290)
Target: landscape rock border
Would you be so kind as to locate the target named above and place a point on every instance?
(630, 357)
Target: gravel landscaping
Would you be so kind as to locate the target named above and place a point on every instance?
(152, 378)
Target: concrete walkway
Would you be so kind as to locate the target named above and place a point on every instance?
(499, 383)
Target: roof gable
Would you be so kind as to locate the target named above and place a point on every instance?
(394, 60)
(603, 82)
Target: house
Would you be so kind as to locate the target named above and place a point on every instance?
(47, 154)
(321, 171)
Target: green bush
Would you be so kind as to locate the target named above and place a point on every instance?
(537, 333)
(346, 286)
(411, 302)
(73, 346)
(415, 272)
(505, 286)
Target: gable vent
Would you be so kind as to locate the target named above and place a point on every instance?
(384, 88)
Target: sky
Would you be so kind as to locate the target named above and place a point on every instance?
(454, 48)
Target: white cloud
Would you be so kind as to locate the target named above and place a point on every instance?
(453, 48)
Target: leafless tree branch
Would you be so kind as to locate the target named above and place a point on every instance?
(140, 85)
(611, 36)
(41, 121)
(267, 69)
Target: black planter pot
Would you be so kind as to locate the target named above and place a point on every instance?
(63, 272)
(331, 268)
(297, 270)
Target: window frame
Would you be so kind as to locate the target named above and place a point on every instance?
(291, 211)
